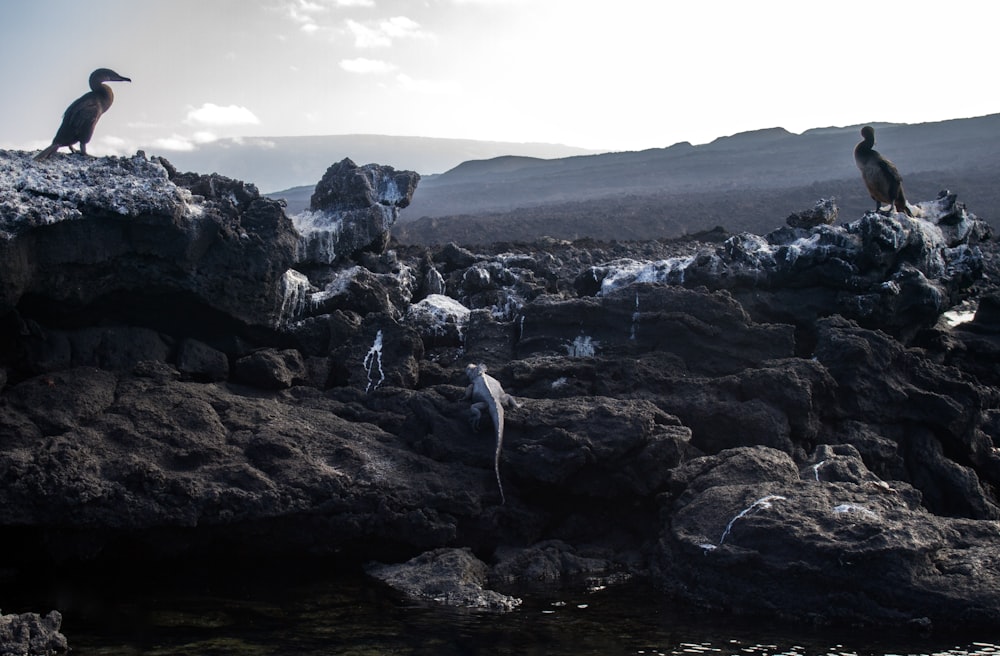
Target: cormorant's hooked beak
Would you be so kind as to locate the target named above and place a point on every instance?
(121, 78)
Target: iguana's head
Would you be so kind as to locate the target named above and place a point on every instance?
(475, 370)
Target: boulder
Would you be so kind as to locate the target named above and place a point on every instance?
(358, 289)
(987, 317)
(824, 212)
(553, 563)
(439, 319)
(202, 362)
(925, 407)
(856, 550)
(382, 353)
(352, 209)
(271, 369)
(452, 577)
(32, 634)
(137, 238)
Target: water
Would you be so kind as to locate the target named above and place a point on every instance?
(222, 611)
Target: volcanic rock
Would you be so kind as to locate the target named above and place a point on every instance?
(202, 362)
(823, 213)
(749, 422)
(352, 209)
(453, 577)
(91, 233)
(30, 633)
(859, 552)
(270, 369)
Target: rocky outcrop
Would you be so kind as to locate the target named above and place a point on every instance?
(751, 422)
(190, 249)
(92, 233)
(352, 208)
(859, 551)
(136, 451)
(894, 273)
(824, 212)
(454, 577)
(31, 634)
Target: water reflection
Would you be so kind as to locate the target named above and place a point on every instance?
(307, 614)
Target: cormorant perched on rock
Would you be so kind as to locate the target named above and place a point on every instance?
(880, 175)
(80, 118)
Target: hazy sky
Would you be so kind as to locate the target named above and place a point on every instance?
(611, 74)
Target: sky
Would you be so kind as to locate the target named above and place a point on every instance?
(598, 74)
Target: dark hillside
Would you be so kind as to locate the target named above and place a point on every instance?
(638, 216)
(749, 181)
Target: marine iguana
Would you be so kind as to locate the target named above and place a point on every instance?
(486, 393)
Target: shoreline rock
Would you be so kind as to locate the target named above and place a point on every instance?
(742, 421)
(32, 634)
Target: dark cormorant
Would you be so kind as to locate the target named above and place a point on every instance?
(80, 118)
(880, 175)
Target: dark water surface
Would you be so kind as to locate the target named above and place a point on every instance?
(311, 611)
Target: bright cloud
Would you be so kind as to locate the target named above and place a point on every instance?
(367, 37)
(302, 11)
(174, 142)
(380, 34)
(427, 86)
(216, 115)
(366, 66)
(203, 137)
(116, 144)
(183, 143)
(401, 26)
(307, 12)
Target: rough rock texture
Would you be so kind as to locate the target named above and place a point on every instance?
(30, 634)
(353, 208)
(454, 577)
(825, 212)
(794, 424)
(890, 272)
(746, 518)
(93, 233)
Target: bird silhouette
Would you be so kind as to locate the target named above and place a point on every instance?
(80, 118)
(883, 181)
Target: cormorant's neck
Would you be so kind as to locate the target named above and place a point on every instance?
(104, 95)
(864, 147)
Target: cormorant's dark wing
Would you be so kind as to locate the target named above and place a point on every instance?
(893, 181)
(79, 120)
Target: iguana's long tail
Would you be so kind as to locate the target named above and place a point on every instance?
(496, 457)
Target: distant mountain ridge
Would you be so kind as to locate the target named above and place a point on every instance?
(763, 159)
(274, 163)
(748, 181)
